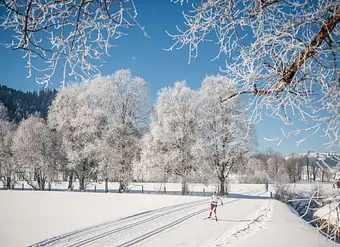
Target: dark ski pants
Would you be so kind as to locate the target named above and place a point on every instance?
(213, 207)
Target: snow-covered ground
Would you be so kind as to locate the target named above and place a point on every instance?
(175, 188)
(330, 213)
(247, 218)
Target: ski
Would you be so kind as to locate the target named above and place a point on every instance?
(206, 218)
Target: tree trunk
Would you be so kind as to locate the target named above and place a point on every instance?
(122, 187)
(43, 182)
(30, 182)
(185, 189)
(65, 177)
(315, 172)
(106, 185)
(43, 185)
(37, 178)
(82, 182)
(307, 169)
(40, 180)
(299, 171)
(322, 176)
(222, 187)
(70, 182)
(8, 183)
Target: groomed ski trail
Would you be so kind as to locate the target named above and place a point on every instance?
(150, 225)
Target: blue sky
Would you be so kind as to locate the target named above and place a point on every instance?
(147, 59)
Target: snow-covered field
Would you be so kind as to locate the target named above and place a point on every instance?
(247, 218)
(175, 188)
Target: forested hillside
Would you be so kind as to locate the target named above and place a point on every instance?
(22, 104)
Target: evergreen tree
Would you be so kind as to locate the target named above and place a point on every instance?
(21, 104)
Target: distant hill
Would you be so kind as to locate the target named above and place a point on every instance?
(325, 160)
(21, 104)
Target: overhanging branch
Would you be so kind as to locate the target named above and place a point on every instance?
(308, 52)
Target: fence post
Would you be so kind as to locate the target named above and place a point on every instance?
(142, 189)
(23, 186)
(95, 188)
(203, 191)
(164, 190)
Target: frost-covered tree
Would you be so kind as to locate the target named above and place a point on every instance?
(80, 130)
(65, 36)
(122, 99)
(276, 168)
(169, 145)
(291, 165)
(33, 152)
(224, 137)
(7, 169)
(253, 171)
(7, 166)
(117, 156)
(60, 116)
(284, 53)
(100, 122)
(314, 168)
(3, 112)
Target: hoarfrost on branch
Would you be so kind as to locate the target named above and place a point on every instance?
(284, 53)
(70, 37)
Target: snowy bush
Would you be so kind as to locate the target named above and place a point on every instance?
(283, 192)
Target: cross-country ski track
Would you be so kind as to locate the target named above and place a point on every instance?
(178, 225)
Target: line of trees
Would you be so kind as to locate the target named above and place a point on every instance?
(105, 130)
(192, 132)
(283, 55)
(270, 164)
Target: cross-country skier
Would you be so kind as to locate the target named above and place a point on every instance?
(213, 204)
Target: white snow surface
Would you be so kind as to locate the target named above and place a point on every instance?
(329, 212)
(247, 218)
(195, 188)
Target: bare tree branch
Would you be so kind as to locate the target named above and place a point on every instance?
(71, 34)
(309, 51)
(283, 53)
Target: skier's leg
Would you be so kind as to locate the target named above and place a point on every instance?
(211, 209)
